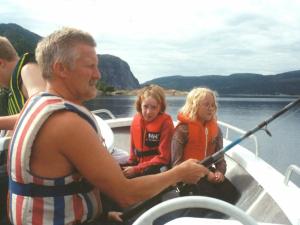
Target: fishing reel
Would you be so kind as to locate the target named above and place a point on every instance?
(265, 129)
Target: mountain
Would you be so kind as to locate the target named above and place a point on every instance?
(115, 71)
(243, 83)
(23, 40)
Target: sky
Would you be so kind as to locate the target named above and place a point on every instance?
(176, 37)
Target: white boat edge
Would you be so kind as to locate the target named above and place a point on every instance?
(284, 192)
(271, 180)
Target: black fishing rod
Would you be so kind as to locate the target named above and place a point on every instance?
(207, 162)
(262, 126)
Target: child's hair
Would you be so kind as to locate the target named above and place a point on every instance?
(153, 91)
(193, 99)
(7, 51)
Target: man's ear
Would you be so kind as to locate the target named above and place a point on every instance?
(60, 69)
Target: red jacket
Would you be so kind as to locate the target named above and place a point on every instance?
(151, 141)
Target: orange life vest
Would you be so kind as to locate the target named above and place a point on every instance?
(201, 140)
(146, 136)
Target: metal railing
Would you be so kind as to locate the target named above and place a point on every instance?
(104, 111)
(229, 128)
(289, 171)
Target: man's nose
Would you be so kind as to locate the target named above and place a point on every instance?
(98, 74)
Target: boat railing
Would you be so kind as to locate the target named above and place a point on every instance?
(229, 128)
(289, 171)
(105, 112)
(4, 142)
(194, 202)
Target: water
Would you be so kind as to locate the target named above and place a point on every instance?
(280, 150)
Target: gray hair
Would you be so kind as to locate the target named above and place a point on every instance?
(60, 46)
(7, 51)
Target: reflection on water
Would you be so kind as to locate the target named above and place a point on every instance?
(120, 106)
(280, 150)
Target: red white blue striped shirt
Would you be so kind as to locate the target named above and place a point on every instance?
(59, 209)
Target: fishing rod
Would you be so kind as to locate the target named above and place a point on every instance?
(208, 161)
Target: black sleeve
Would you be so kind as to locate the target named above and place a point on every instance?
(29, 58)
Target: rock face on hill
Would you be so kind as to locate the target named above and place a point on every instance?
(115, 71)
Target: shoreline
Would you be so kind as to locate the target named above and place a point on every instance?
(134, 92)
(173, 92)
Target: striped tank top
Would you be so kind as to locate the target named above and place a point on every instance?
(43, 201)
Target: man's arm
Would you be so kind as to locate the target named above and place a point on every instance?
(33, 81)
(8, 122)
(77, 145)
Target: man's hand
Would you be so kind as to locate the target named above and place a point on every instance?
(192, 171)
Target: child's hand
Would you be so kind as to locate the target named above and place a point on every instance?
(129, 171)
(114, 216)
(215, 177)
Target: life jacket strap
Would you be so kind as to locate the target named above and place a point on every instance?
(141, 154)
(35, 190)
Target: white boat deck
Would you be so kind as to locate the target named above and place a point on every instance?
(265, 196)
(204, 221)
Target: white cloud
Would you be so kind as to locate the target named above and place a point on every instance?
(167, 37)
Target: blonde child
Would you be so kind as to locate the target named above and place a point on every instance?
(197, 135)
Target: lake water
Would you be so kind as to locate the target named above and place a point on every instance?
(280, 150)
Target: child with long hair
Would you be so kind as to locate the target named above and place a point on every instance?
(198, 136)
(151, 134)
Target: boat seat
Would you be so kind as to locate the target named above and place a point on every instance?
(106, 133)
(118, 154)
(206, 221)
(4, 142)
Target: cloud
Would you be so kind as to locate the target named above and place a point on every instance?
(161, 38)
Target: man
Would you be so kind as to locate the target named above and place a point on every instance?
(57, 158)
(20, 78)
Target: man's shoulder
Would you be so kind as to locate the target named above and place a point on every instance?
(27, 62)
(30, 68)
(65, 118)
(64, 123)
(28, 57)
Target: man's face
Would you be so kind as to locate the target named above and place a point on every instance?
(6, 68)
(83, 76)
